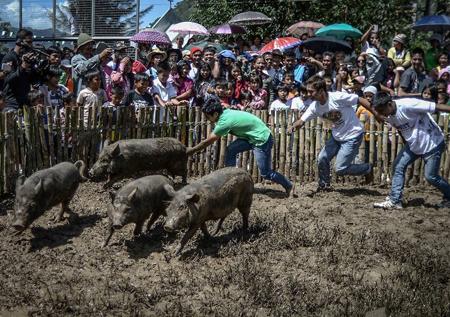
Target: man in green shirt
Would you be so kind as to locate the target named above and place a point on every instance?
(252, 134)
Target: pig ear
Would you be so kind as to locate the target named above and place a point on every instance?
(193, 198)
(20, 180)
(132, 194)
(38, 187)
(112, 195)
(169, 190)
(115, 150)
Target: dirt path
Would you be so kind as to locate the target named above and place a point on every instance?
(329, 254)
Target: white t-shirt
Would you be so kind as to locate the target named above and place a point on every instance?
(413, 120)
(299, 104)
(339, 111)
(278, 105)
(166, 93)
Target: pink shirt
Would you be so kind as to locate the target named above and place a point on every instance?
(184, 84)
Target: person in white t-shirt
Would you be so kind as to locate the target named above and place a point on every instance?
(347, 131)
(423, 139)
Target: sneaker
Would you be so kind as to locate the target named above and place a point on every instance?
(324, 188)
(369, 177)
(444, 204)
(388, 204)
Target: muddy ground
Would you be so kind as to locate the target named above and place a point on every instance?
(329, 254)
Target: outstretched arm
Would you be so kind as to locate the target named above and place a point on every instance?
(442, 107)
(366, 104)
(203, 144)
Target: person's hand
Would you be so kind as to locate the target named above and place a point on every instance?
(106, 53)
(291, 129)
(189, 151)
(125, 60)
(184, 103)
(391, 92)
(380, 118)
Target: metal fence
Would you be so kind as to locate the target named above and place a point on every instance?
(63, 20)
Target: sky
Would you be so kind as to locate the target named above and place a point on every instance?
(35, 12)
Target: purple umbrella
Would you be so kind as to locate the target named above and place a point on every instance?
(227, 29)
(151, 36)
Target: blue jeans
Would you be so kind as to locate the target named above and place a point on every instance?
(432, 162)
(262, 156)
(345, 153)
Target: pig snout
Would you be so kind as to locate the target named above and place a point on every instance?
(19, 225)
(170, 226)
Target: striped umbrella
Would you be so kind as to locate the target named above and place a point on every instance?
(152, 37)
(281, 43)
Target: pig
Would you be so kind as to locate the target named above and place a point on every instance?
(136, 201)
(212, 197)
(45, 189)
(125, 158)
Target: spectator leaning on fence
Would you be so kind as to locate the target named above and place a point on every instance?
(85, 62)
(423, 138)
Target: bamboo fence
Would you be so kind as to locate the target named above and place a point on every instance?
(28, 144)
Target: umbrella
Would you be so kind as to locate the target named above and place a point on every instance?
(339, 31)
(203, 44)
(302, 27)
(188, 28)
(281, 43)
(151, 36)
(250, 18)
(323, 44)
(227, 29)
(436, 23)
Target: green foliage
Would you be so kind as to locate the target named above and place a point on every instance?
(392, 16)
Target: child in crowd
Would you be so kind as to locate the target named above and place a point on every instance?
(282, 103)
(245, 98)
(259, 95)
(289, 82)
(429, 92)
(204, 84)
(122, 76)
(117, 96)
(185, 85)
(140, 97)
(301, 102)
(69, 102)
(164, 93)
(239, 84)
(53, 91)
(92, 97)
(221, 91)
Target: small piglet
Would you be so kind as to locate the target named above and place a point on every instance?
(136, 201)
(125, 158)
(45, 189)
(212, 197)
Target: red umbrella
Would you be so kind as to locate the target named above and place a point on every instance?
(281, 43)
(302, 27)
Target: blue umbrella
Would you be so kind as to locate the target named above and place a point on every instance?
(436, 23)
(339, 31)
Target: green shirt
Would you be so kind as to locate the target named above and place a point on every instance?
(244, 125)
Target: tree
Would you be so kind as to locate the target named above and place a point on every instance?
(117, 18)
(391, 15)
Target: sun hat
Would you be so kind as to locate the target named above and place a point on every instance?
(83, 39)
(401, 38)
(157, 51)
(371, 89)
(227, 54)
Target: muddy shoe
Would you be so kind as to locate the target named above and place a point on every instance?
(444, 204)
(324, 188)
(388, 204)
(369, 177)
